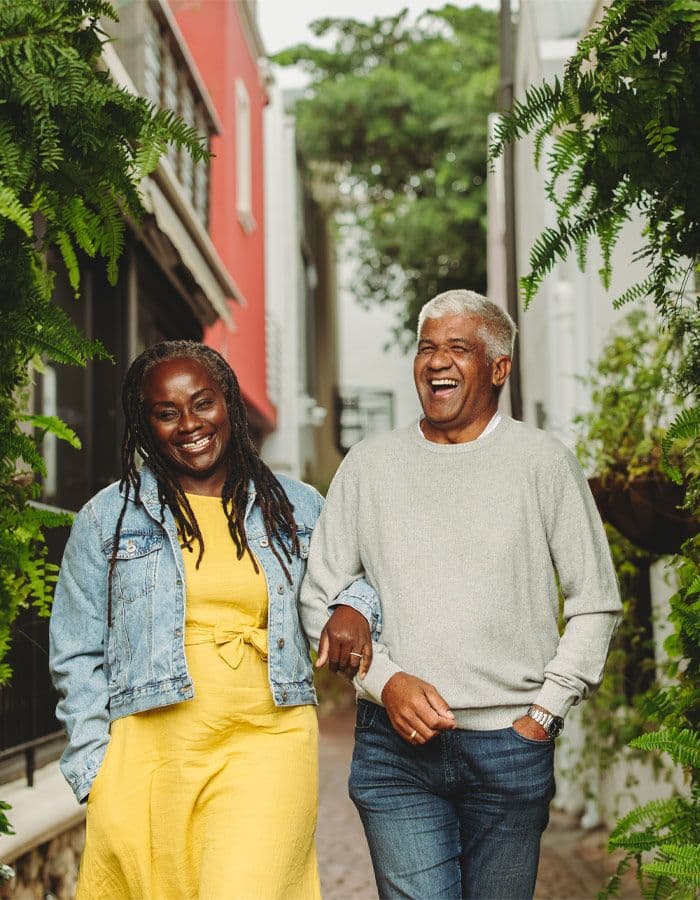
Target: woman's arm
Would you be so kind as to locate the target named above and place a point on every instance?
(76, 655)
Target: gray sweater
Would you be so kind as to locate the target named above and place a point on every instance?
(464, 544)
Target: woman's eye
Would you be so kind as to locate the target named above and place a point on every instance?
(204, 404)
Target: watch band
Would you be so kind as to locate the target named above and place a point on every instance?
(553, 725)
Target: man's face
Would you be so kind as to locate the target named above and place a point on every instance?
(454, 379)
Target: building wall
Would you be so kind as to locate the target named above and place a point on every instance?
(370, 354)
(220, 40)
(284, 287)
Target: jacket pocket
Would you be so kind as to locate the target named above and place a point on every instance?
(136, 564)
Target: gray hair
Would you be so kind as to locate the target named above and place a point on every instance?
(497, 329)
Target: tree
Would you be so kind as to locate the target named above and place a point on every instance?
(73, 150)
(396, 123)
(625, 135)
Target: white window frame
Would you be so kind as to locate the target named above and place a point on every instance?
(244, 159)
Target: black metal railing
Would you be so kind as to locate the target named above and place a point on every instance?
(28, 725)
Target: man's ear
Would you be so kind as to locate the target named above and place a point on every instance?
(500, 370)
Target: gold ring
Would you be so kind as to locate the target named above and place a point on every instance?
(412, 734)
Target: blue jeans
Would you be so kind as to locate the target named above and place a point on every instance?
(460, 816)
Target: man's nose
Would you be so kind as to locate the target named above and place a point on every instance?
(439, 359)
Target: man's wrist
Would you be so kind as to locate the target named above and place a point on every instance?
(551, 724)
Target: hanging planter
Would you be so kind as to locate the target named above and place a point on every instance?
(646, 511)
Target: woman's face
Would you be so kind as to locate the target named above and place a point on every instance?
(186, 410)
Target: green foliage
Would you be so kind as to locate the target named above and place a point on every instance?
(625, 122)
(395, 124)
(632, 402)
(682, 744)
(73, 149)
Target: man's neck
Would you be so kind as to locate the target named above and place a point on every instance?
(471, 432)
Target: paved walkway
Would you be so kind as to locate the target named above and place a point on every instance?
(573, 865)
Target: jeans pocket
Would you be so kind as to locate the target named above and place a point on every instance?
(547, 742)
(366, 713)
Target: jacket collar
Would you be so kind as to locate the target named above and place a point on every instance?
(149, 495)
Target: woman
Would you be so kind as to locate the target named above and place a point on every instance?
(215, 797)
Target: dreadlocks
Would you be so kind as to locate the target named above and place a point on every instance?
(244, 463)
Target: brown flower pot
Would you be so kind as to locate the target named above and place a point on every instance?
(646, 512)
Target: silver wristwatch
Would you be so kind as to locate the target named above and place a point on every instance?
(553, 725)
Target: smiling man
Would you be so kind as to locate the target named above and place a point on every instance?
(464, 522)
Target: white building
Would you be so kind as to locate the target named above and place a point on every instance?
(376, 375)
(562, 334)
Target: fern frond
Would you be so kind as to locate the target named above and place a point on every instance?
(682, 744)
(686, 426)
(657, 814)
(12, 209)
(682, 864)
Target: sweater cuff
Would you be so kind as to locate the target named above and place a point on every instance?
(380, 671)
(555, 699)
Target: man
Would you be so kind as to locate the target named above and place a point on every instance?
(465, 523)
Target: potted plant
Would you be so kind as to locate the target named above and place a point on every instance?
(632, 405)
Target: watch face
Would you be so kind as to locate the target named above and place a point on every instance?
(555, 727)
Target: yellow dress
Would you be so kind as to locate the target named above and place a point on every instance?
(213, 797)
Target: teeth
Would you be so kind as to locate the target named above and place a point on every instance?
(200, 443)
(443, 382)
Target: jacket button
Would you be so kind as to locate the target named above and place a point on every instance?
(284, 695)
(130, 546)
(280, 588)
(280, 643)
(264, 542)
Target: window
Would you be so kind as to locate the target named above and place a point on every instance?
(186, 162)
(244, 173)
(152, 58)
(170, 99)
(201, 176)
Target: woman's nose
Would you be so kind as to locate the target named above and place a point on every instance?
(188, 421)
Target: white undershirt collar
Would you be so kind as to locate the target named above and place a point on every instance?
(493, 423)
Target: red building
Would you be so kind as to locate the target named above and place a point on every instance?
(225, 43)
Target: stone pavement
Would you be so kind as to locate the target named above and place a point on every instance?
(573, 865)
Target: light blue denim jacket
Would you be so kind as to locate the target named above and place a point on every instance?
(102, 673)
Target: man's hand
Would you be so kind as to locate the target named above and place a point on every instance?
(415, 708)
(346, 643)
(528, 728)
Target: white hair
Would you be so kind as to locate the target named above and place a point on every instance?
(497, 329)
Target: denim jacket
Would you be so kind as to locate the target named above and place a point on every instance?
(139, 662)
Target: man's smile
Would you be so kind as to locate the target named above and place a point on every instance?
(442, 386)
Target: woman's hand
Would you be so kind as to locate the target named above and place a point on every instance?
(346, 643)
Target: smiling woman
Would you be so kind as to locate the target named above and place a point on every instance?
(139, 626)
(190, 424)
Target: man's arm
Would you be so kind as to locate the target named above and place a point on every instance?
(335, 573)
(592, 606)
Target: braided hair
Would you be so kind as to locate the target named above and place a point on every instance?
(243, 463)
